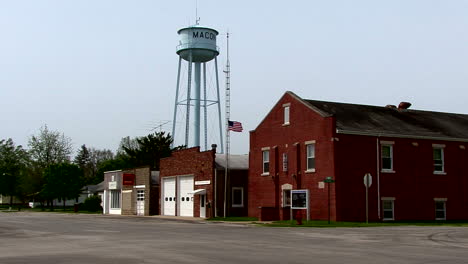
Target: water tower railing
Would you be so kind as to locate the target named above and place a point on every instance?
(199, 46)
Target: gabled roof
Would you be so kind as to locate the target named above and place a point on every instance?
(385, 121)
(236, 162)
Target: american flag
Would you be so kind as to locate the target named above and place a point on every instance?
(235, 126)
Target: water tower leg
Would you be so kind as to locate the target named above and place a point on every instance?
(196, 132)
(189, 90)
(205, 117)
(176, 103)
(219, 108)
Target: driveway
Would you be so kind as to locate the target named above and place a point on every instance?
(28, 237)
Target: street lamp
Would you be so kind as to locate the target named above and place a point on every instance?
(328, 180)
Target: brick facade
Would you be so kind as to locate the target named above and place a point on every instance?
(265, 191)
(412, 185)
(202, 166)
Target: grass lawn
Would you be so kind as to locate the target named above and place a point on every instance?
(233, 219)
(68, 209)
(325, 224)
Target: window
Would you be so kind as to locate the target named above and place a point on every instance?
(440, 210)
(310, 157)
(140, 195)
(286, 115)
(266, 162)
(115, 199)
(438, 156)
(387, 157)
(285, 162)
(286, 198)
(388, 209)
(237, 197)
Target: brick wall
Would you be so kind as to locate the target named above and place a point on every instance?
(305, 125)
(192, 162)
(347, 158)
(413, 183)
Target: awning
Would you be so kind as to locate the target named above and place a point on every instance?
(198, 191)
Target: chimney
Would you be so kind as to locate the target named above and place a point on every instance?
(213, 147)
(404, 105)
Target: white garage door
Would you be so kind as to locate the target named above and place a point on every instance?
(168, 196)
(185, 197)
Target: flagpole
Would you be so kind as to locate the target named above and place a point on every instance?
(228, 115)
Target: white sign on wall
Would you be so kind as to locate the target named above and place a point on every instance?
(202, 182)
(112, 185)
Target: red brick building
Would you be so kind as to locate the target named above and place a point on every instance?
(416, 160)
(192, 184)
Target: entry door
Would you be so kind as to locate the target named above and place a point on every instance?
(185, 195)
(168, 196)
(202, 205)
(140, 206)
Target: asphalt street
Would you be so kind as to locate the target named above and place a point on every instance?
(28, 237)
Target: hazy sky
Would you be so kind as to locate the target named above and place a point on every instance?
(100, 70)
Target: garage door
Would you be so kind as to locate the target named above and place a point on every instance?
(185, 197)
(168, 196)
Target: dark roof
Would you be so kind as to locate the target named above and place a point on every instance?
(384, 121)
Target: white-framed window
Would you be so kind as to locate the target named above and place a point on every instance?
(388, 207)
(286, 198)
(140, 195)
(286, 114)
(266, 162)
(310, 154)
(387, 157)
(438, 158)
(115, 199)
(237, 197)
(285, 162)
(440, 209)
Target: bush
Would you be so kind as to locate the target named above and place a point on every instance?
(92, 204)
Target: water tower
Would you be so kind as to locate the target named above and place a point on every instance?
(197, 47)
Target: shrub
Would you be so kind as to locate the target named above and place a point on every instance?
(92, 204)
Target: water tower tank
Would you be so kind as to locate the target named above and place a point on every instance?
(198, 41)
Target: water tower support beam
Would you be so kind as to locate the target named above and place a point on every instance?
(196, 132)
(205, 117)
(219, 107)
(176, 103)
(189, 90)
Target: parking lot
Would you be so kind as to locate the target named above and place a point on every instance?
(28, 237)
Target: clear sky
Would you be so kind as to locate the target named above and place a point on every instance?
(100, 70)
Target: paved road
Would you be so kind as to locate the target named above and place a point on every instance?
(62, 238)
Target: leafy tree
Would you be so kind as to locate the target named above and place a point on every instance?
(46, 148)
(117, 163)
(150, 149)
(13, 161)
(62, 181)
(90, 160)
(49, 147)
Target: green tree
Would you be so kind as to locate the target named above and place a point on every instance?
(13, 162)
(46, 148)
(90, 160)
(62, 181)
(151, 149)
(49, 147)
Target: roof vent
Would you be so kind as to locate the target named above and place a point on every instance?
(404, 106)
(391, 106)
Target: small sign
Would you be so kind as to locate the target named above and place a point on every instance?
(321, 185)
(113, 185)
(202, 182)
(299, 199)
(368, 180)
(128, 179)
